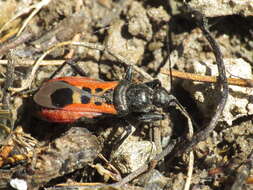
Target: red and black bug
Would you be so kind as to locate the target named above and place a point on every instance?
(67, 99)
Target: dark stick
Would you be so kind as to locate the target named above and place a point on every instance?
(186, 145)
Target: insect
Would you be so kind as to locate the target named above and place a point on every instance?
(68, 99)
(71, 99)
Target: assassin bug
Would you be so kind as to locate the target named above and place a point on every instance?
(69, 99)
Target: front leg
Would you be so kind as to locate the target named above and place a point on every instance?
(73, 64)
(129, 73)
(129, 130)
(150, 117)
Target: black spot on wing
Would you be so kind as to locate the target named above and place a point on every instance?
(86, 89)
(97, 90)
(98, 103)
(84, 98)
(108, 101)
(62, 97)
(109, 96)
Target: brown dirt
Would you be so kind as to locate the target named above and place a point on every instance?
(137, 31)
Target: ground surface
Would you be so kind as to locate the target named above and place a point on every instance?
(136, 31)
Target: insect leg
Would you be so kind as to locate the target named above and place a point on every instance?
(58, 70)
(86, 120)
(154, 83)
(175, 103)
(72, 63)
(150, 117)
(129, 130)
(129, 73)
(79, 70)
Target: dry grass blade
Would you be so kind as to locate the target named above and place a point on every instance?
(210, 79)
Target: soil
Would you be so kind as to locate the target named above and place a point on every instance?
(143, 33)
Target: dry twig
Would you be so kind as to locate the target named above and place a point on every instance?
(36, 8)
(211, 79)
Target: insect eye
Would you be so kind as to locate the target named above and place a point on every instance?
(62, 97)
